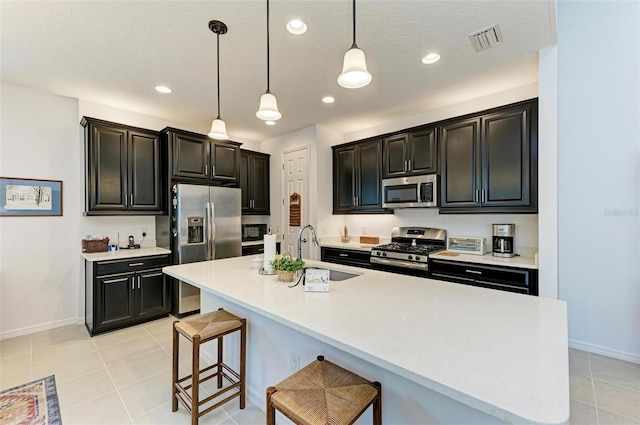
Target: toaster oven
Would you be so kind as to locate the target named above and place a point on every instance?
(466, 245)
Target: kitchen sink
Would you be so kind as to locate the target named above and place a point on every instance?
(337, 275)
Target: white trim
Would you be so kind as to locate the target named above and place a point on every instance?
(41, 327)
(605, 351)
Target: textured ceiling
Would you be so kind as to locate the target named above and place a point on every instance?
(115, 52)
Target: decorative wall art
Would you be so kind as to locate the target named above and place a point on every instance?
(294, 209)
(30, 197)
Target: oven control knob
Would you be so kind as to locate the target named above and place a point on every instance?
(417, 258)
(410, 257)
(378, 253)
(384, 254)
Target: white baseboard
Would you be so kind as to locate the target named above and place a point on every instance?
(41, 327)
(605, 351)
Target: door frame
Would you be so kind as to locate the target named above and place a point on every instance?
(306, 216)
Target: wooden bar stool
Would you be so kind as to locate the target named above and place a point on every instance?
(198, 330)
(322, 393)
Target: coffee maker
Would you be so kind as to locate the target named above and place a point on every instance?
(503, 245)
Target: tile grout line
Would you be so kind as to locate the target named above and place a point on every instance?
(593, 389)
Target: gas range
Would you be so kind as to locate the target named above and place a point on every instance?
(409, 250)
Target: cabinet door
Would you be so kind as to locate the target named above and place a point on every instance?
(460, 170)
(144, 171)
(107, 168)
(151, 294)
(224, 161)
(506, 176)
(369, 191)
(344, 179)
(395, 156)
(423, 152)
(245, 182)
(114, 304)
(190, 156)
(259, 166)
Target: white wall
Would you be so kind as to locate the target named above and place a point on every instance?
(599, 174)
(40, 256)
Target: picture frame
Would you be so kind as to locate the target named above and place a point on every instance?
(22, 197)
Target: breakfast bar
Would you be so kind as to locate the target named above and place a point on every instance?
(444, 352)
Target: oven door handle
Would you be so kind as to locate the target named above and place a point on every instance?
(399, 263)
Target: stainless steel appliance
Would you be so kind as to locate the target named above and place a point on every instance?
(253, 232)
(503, 243)
(408, 252)
(204, 224)
(465, 245)
(410, 192)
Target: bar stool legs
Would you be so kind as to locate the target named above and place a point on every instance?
(199, 330)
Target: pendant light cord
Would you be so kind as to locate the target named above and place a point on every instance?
(354, 26)
(268, 62)
(218, 67)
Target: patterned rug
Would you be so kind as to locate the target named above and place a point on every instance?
(34, 403)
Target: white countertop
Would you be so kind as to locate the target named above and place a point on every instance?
(354, 243)
(487, 259)
(502, 353)
(122, 254)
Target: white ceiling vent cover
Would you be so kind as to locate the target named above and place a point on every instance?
(486, 38)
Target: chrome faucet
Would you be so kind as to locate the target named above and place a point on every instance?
(314, 239)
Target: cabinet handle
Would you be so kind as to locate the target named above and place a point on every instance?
(476, 196)
(131, 198)
(138, 282)
(151, 275)
(126, 201)
(484, 196)
(473, 271)
(213, 170)
(354, 202)
(136, 264)
(112, 281)
(357, 201)
(343, 255)
(206, 169)
(133, 284)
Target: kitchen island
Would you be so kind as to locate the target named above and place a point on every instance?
(445, 353)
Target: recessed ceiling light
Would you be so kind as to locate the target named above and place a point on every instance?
(163, 89)
(328, 99)
(270, 122)
(430, 58)
(296, 27)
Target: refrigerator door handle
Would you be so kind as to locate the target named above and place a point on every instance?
(211, 232)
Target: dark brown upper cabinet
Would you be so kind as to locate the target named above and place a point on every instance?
(198, 158)
(122, 169)
(489, 163)
(410, 153)
(254, 183)
(357, 176)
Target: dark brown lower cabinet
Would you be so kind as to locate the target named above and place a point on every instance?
(348, 257)
(121, 293)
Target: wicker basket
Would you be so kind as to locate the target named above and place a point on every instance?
(100, 245)
(285, 276)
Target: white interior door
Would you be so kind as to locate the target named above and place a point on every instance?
(295, 172)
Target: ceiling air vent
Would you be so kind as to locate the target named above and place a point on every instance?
(485, 38)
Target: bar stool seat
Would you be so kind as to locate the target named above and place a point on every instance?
(198, 330)
(323, 393)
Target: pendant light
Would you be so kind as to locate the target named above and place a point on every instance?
(218, 127)
(268, 110)
(354, 69)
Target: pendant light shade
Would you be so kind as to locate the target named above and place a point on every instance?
(354, 68)
(218, 127)
(218, 130)
(268, 110)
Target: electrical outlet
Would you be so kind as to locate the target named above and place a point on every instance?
(294, 361)
(143, 231)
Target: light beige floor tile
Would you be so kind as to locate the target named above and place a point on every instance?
(250, 415)
(160, 325)
(71, 367)
(610, 418)
(138, 368)
(127, 350)
(120, 336)
(11, 365)
(104, 410)
(613, 398)
(581, 414)
(581, 389)
(14, 380)
(579, 362)
(615, 371)
(165, 339)
(59, 335)
(17, 345)
(148, 394)
(56, 353)
(164, 416)
(84, 388)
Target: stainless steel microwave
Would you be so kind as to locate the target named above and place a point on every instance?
(410, 192)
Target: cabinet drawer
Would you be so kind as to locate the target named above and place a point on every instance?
(130, 265)
(346, 257)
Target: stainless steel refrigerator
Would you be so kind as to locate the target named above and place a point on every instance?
(204, 224)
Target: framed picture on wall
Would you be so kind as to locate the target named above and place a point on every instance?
(30, 197)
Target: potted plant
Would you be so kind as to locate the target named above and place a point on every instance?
(287, 267)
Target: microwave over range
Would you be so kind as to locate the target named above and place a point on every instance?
(410, 192)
